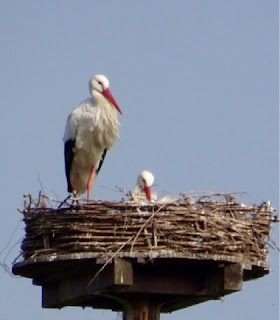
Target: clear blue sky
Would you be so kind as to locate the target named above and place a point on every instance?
(198, 84)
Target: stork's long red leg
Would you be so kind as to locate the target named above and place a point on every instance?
(89, 183)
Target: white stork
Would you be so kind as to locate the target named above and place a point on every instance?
(91, 129)
(142, 191)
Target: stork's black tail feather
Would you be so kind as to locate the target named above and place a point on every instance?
(101, 161)
(68, 157)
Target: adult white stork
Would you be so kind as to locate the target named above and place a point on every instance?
(142, 191)
(91, 129)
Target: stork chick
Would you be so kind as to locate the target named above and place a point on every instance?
(142, 191)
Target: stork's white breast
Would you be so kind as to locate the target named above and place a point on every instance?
(94, 129)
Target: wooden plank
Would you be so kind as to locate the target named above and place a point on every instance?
(233, 277)
(225, 278)
(77, 288)
(50, 296)
(123, 272)
(162, 280)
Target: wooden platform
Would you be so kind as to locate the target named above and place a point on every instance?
(143, 260)
(173, 283)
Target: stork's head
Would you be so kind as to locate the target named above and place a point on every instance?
(100, 83)
(145, 181)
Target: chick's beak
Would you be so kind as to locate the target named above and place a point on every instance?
(148, 193)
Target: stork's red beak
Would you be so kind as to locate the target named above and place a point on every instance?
(148, 193)
(108, 95)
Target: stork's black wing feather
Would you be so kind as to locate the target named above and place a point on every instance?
(101, 161)
(68, 157)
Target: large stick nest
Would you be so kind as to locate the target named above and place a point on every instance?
(212, 227)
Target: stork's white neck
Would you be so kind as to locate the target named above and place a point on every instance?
(98, 99)
(107, 126)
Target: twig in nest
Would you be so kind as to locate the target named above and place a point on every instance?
(64, 201)
(148, 239)
(28, 205)
(124, 192)
(155, 232)
(37, 205)
(41, 184)
(143, 226)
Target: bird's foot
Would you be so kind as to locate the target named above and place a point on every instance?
(75, 199)
(73, 196)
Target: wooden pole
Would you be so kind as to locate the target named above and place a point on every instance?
(142, 309)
